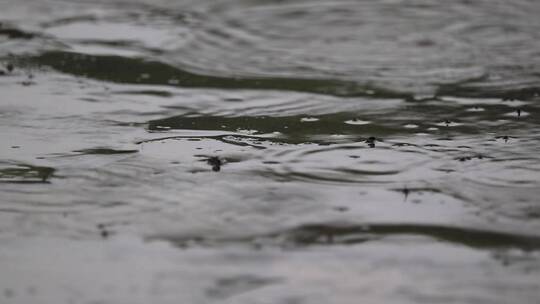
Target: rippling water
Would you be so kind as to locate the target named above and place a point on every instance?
(251, 151)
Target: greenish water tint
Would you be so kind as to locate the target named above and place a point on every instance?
(343, 234)
(141, 71)
(269, 151)
(20, 173)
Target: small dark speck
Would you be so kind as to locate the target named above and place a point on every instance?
(518, 112)
(15, 147)
(10, 67)
(341, 208)
(506, 138)
(406, 192)
(215, 162)
(104, 234)
(103, 230)
(425, 42)
(233, 99)
(371, 141)
(257, 246)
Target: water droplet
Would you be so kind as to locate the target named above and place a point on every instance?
(357, 122)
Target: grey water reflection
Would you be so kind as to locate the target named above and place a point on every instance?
(254, 151)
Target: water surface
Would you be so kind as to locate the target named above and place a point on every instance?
(269, 151)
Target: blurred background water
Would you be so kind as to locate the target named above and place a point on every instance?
(251, 151)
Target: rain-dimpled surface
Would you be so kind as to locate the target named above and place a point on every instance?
(250, 151)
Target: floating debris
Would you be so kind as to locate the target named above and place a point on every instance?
(371, 141)
(215, 162)
(103, 231)
(341, 208)
(504, 137)
(406, 192)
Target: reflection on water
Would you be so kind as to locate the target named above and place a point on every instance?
(269, 151)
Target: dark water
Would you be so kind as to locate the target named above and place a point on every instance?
(269, 151)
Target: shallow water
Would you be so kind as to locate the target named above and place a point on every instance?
(367, 151)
